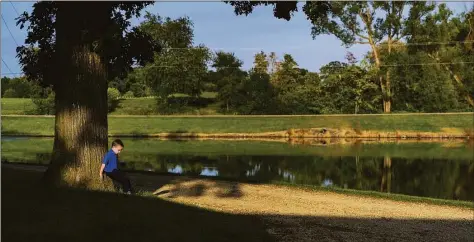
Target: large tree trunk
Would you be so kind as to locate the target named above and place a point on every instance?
(384, 84)
(80, 139)
(81, 124)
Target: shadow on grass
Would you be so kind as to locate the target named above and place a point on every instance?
(32, 213)
(174, 186)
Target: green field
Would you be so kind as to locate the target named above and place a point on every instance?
(129, 106)
(145, 125)
(17, 106)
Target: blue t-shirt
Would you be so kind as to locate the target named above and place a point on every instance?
(110, 161)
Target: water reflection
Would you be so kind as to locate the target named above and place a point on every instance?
(437, 170)
(439, 178)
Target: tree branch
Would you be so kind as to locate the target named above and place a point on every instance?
(362, 37)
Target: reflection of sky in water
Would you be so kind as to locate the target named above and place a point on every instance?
(327, 183)
(254, 170)
(177, 169)
(289, 176)
(206, 171)
(209, 171)
(329, 167)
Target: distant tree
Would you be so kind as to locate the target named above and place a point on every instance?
(455, 51)
(353, 23)
(287, 74)
(273, 63)
(180, 67)
(228, 78)
(261, 63)
(347, 88)
(19, 87)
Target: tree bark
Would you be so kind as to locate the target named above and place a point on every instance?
(81, 132)
(81, 124)
(384, 86)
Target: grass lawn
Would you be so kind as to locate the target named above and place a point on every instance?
(142, 125)
(17, 106)
(33, 213)
(130, 106)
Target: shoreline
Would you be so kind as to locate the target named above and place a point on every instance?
(292, 134)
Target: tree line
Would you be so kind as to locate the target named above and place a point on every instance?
(430, 71)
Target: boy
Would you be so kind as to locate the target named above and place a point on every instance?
(110, 167)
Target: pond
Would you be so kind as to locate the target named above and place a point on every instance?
(421, 168)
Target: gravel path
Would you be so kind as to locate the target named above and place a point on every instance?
(300, 215)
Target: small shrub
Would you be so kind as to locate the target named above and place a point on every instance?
(112, 98)
(9, 93)
(44, 106)
(141, 111)
(128, 94)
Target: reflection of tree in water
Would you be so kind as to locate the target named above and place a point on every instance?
(440, 178)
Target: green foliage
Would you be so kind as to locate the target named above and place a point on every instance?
(256, 94)
(228, 78)
(18, 87)
(45, 105)
(454, 56)
(112, 99)
(128, 94)
(422, 88)
(180, 67)
(178, 71)
(108, 34)
(276, 86)
(9, 93)
(347, 88)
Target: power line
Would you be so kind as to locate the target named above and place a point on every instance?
(9, 31)
(7, 66)
(234, 67)
(14, 8)
(430, 43)
(434, 63)
(392, 65)
(12, 73)
(297, 47)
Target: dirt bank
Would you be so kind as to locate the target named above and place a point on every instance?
(319, 133)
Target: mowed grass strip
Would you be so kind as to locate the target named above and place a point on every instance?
(17, 106)
(126, 106)
(142, 125)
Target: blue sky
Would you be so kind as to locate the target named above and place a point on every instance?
(216, 26)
